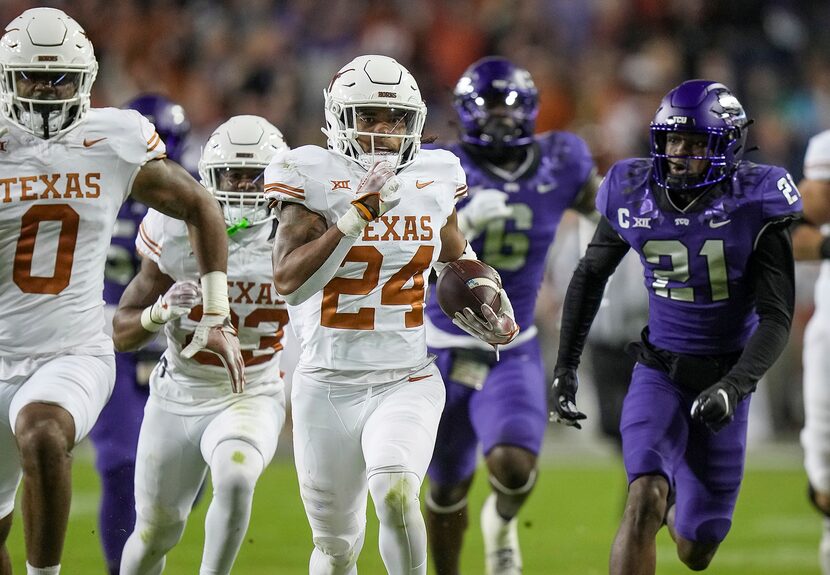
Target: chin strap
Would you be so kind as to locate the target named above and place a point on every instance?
(240, 225)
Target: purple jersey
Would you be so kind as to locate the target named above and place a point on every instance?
(695, 262)
(517, 246)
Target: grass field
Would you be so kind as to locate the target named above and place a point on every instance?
(566, 529)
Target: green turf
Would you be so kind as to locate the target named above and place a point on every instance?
(566, 529)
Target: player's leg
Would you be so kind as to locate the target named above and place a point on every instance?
(655, 430)
(330, 469)
(509, 418)
(398, 440)
(115, 438)
(169, 471)
(815, 437)
(708, 479)
(50, 413)
(451, 470)
(238, 444)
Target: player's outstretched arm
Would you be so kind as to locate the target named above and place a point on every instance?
(142, 293)
(582, 301)
(167, 187)
(808, 241)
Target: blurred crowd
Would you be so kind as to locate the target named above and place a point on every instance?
(601, 66)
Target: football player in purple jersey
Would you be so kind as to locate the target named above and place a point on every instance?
(115, 434)
(519, 187)
(711, 231)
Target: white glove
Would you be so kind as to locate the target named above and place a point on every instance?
(484, 206)
(216, 335)
(493, 329)
(380, 181)
(176, 302)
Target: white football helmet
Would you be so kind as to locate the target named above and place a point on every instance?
(44, 45)
(373, 82)
(232, 166)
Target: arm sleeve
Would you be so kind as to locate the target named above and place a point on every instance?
(584, 296)
(773, 275)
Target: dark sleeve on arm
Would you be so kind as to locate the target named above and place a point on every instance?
(772, 272)
(584, 295)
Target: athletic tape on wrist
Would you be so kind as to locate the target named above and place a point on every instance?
(352, 223)
(215, 294)
(147, 320)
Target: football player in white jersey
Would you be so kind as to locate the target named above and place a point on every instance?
(361, 225)
(65, 170)
(193, 420)
(809, 243)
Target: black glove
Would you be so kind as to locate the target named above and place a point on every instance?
(562, 399)
(715, 406)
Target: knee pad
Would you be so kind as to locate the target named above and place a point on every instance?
(163, 536)
(396, 496)
(332, 554)
(235, 467)
(521, 490)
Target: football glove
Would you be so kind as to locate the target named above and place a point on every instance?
(715, 406)
(380, 182)
(216, 335)
(490, 327)
(562, 398)
(484, 206)
(177, 301)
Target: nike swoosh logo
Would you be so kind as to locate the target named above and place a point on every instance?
(420, 377)
(419, 184)
(714, 225)
(88, 143)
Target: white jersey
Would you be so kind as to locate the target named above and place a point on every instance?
(817, 167)
(201, 383)
(60, 199)
(370, 316)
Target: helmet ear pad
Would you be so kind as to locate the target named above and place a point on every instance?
(497, 104)
(44, 41)
(373, 81)
(242, 142)
(699, 107)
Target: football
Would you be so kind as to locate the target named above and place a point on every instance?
(468, 283)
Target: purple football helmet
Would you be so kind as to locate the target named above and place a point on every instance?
(169, 119)
(497, 103)
(698, 107)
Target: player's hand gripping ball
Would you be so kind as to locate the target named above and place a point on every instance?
(470, 292)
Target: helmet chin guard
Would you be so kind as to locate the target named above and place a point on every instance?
(373, 82)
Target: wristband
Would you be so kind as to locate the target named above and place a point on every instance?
(215, 294)
(147, 320)
(824, 248)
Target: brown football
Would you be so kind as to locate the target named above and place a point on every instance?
(468, 283)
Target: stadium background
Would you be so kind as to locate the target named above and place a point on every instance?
(601, 67)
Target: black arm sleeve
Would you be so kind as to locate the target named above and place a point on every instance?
(584, 295)
(772, 271)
